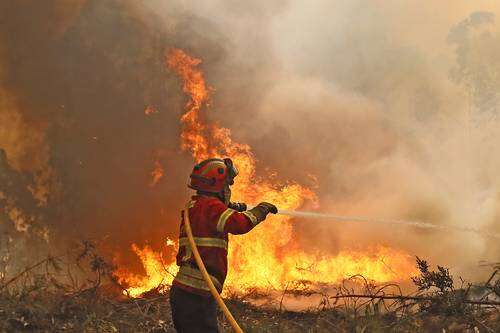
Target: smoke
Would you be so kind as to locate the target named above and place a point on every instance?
(76, 79)
(374, 105)
(378, 104)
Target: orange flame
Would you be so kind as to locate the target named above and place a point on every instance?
(157, 273)
(193, 136)
(254, 259)
(149, 110)
(156, 174)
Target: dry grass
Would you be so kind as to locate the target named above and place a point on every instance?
(76, 293)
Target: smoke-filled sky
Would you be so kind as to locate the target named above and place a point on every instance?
(385, 108)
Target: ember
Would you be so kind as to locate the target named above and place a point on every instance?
(156, 174)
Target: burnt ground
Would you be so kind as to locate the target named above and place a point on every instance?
(51, 297)
(91, 312)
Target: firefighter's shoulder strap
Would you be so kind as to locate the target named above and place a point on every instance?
(205, 274)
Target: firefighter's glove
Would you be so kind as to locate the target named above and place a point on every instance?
(238, 206)
(270, 207)
(261, 210)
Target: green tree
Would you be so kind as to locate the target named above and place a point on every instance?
(477, 48)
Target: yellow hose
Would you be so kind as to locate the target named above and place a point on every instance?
(207, 278)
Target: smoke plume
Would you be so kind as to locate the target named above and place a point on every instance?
(387, 110)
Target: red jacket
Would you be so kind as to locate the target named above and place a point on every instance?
(211, 222)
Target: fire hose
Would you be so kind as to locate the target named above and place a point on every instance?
(216, 294)
(207, 278)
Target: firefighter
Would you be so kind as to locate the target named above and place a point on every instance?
(212, 218)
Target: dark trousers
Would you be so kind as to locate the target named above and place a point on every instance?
(193, 313)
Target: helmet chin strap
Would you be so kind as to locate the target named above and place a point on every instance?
(226, 195)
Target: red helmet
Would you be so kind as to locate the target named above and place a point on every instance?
(213, 175)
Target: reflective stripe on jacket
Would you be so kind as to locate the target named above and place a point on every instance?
(192, 277)
(211, 222)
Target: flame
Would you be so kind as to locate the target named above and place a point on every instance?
(149, 110)
(193, 136)
(254, 259)
(157, 273)
(156, 174)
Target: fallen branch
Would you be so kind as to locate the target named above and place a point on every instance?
(46, 260)
(411, 298)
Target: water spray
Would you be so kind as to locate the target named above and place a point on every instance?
(362, 219)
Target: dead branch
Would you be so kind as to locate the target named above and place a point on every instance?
(491, 278)
(28, 269)
(410, 298)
